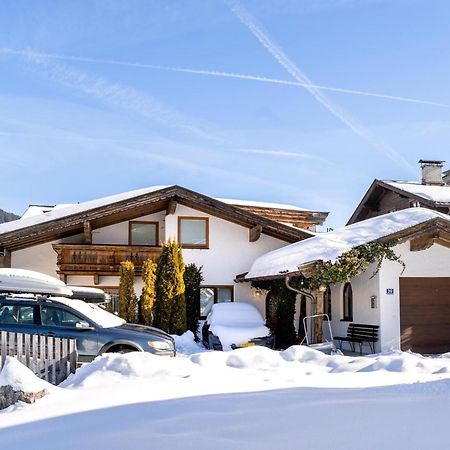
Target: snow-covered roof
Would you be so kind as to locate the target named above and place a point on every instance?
(35, 210)
(329, 246)
(257, 204)
(68, 210)
(439, 194)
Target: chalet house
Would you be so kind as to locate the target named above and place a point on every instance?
(411, 306)
(83, 244)
(384, 196)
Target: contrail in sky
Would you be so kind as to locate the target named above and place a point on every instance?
(116, 94)
(215, 73)
(244, 16)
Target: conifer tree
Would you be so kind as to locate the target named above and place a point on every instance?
(170, 304)
(192, 279)
(148, 294)
(127, 296)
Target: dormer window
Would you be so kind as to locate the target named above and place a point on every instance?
(143, 233)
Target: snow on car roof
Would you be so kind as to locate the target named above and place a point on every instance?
(68, 210)
(236, 323)
(329, 246)
(439, 194)
(234, 313)
(93, 312)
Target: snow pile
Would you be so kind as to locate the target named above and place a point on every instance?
(253, 398)
(396, 361)
(113, 368)
(329, 246)
(186, 345)
(236, 323)
(439, 194)
(295, 363)
(20, 378)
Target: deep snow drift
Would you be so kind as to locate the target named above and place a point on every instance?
(252, 398)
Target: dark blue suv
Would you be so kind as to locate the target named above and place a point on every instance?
(95, 330)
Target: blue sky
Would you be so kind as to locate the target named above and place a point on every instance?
(77, 124)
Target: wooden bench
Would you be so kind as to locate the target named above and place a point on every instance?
(359, 333)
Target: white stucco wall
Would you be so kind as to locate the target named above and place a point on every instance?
(433, 262)
(230, 253)
(41, 258)
(118, 233)
(364, 287)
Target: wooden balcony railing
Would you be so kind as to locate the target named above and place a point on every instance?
(91, 259)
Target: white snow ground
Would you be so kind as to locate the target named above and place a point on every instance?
(252, 398)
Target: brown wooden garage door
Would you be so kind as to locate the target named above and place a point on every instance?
(425, 314)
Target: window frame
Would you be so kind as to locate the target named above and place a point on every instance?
(347, 312)
(200, 246)
(216, 288)
(146, 222)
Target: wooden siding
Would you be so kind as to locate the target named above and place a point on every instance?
(82, 259)
(425, 314)
(301, 219)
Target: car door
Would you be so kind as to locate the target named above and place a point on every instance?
(61, 322)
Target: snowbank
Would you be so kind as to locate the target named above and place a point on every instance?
(252, 398)
(295, 362)
(20, 378)
(186, 345)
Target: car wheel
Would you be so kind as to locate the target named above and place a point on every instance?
(122, 349)
(125, 350)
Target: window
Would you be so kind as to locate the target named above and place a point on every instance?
(57, 317)
(15, 314)
(193, 232)
(143, 233)
(327, 302)
(348, 303)
(214, 294)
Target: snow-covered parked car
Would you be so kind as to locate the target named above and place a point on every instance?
(34, 303)
(235, 325)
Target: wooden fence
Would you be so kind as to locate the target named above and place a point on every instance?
(50, 358)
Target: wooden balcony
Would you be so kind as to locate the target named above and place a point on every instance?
(90, 259)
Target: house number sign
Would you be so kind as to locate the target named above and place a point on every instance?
(390, 291)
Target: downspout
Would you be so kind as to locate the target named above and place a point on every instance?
(299, 291)
(305, 293)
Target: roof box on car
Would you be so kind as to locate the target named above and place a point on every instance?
(20, 281)
(89, 294)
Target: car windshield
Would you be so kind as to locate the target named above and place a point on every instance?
(93, 312)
